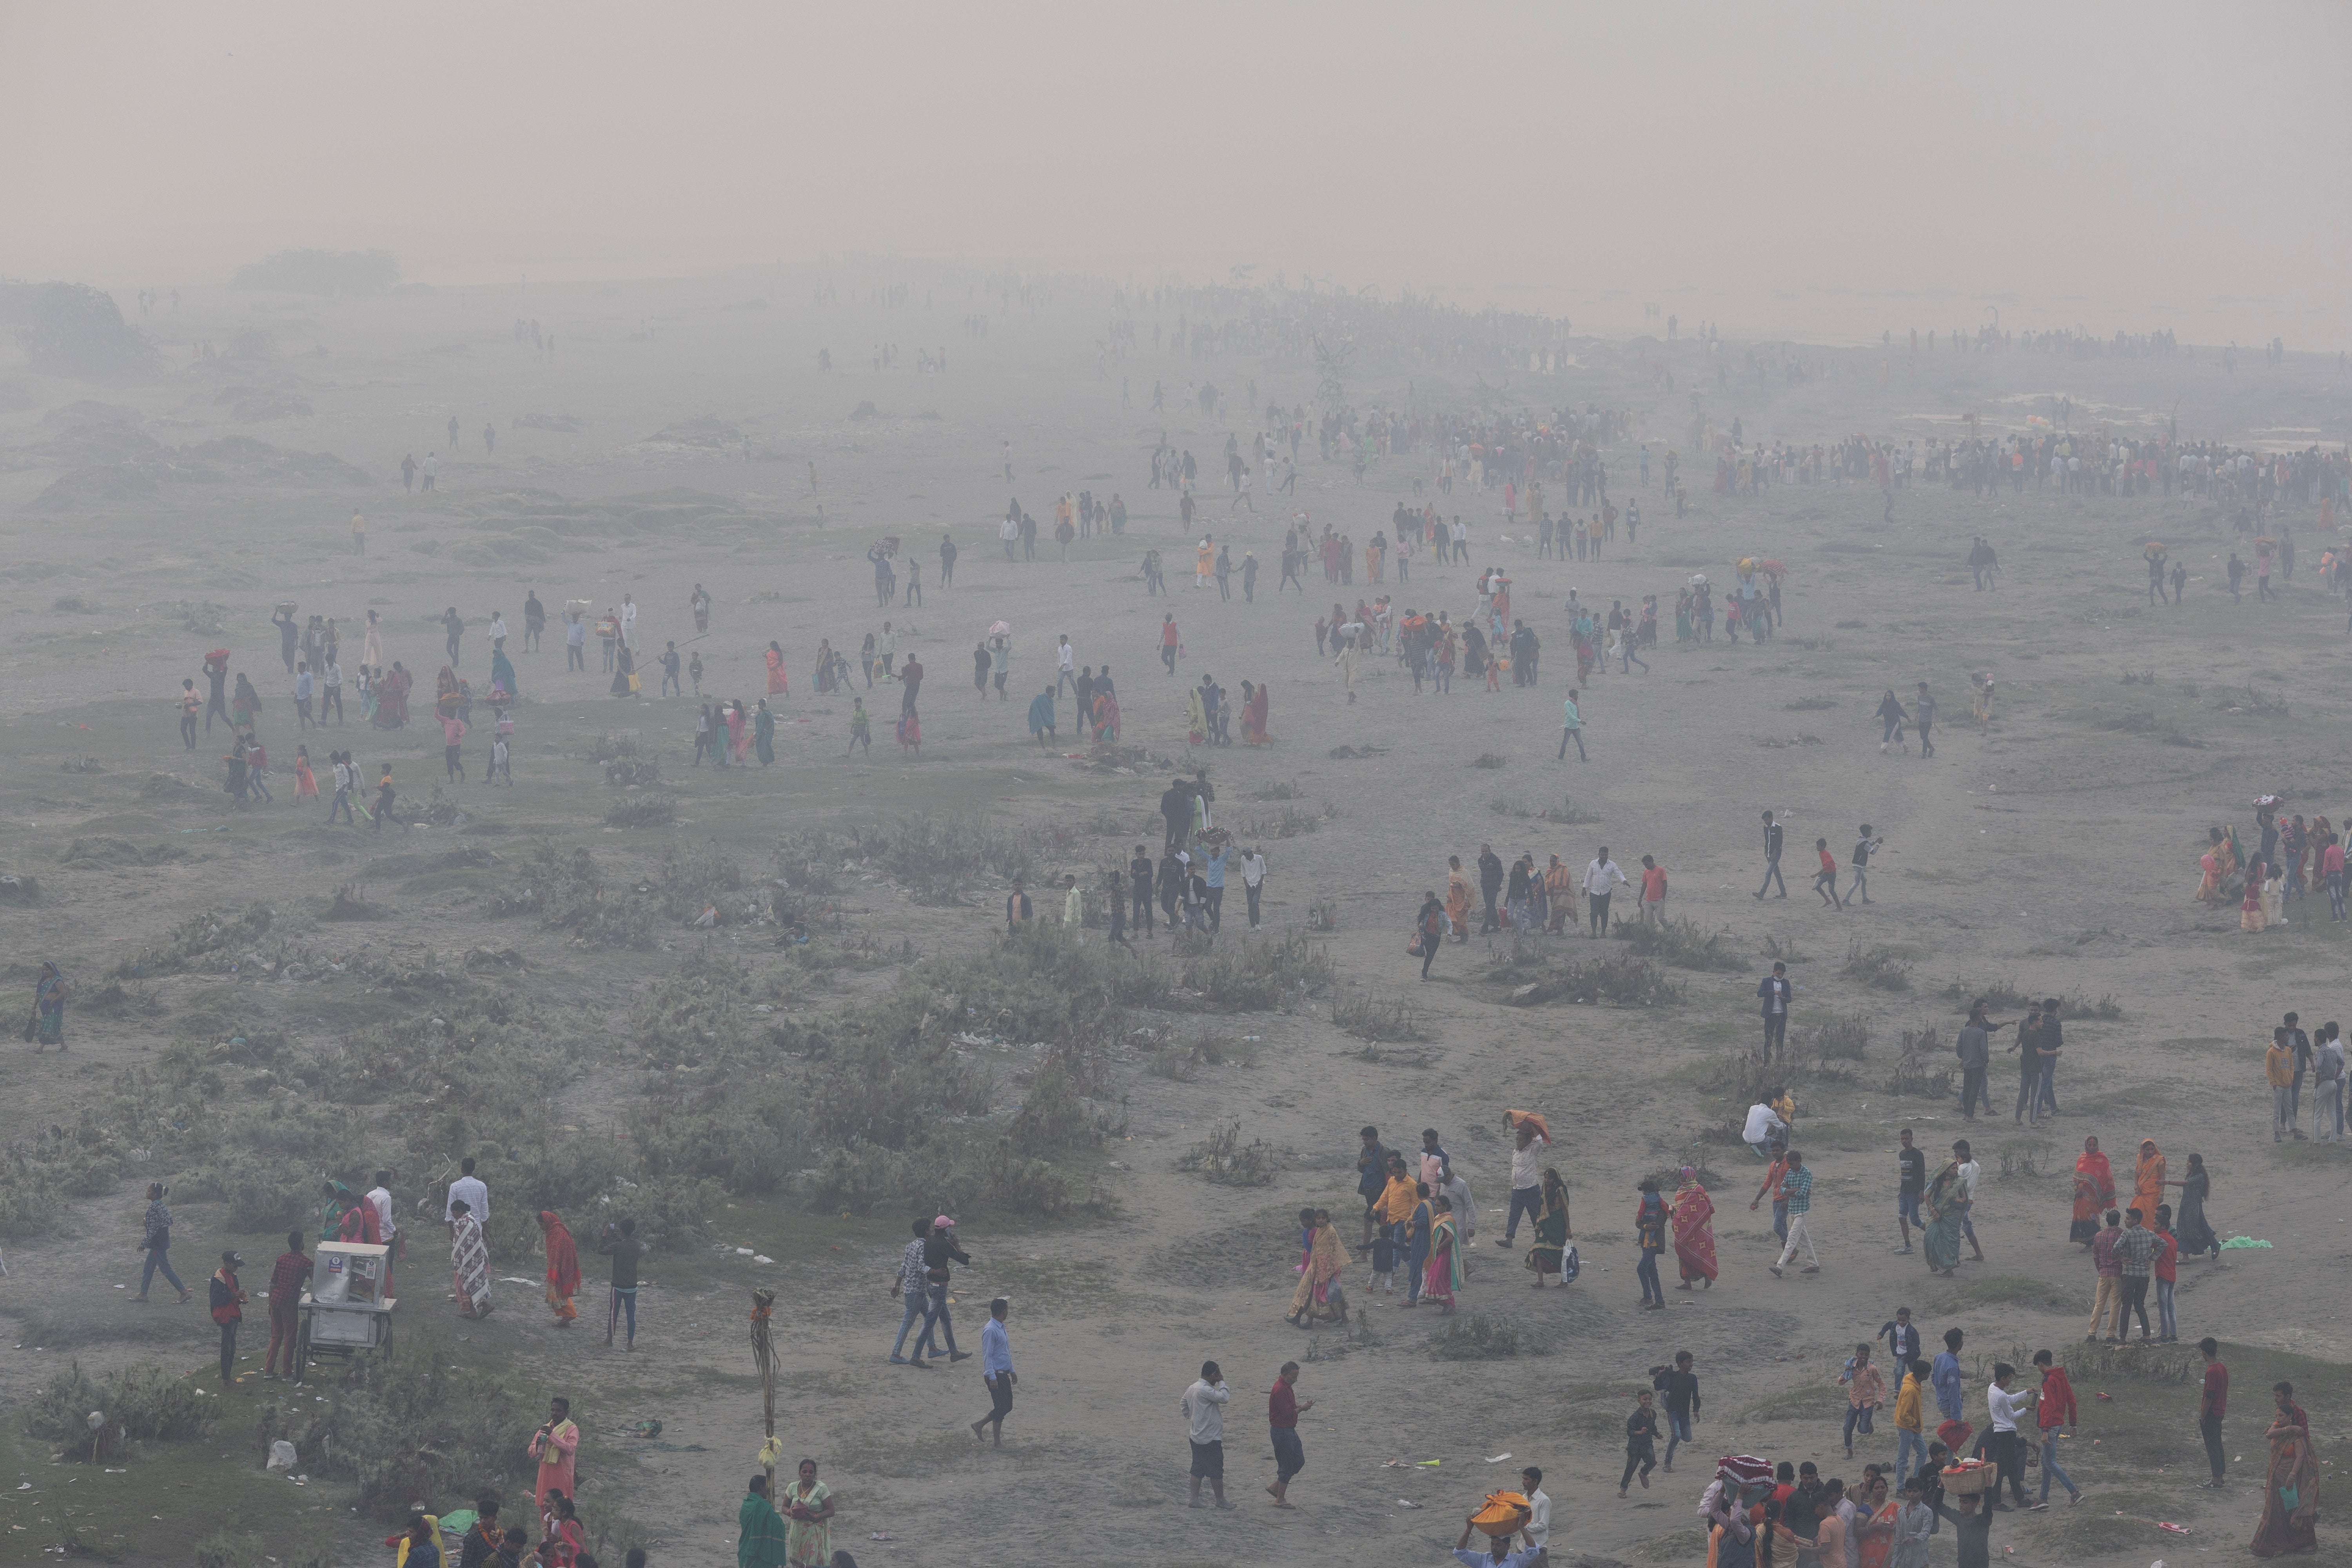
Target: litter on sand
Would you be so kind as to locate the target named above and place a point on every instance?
(2176, 1528)
(1428, 1464)
(881, 1535)
(1407, 1503)
(2243, 1241)
(1498, 1458)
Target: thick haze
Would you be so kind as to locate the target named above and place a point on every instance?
(2111, 165)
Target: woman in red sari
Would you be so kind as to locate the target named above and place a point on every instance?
(777, 683)
(562, 1267)
(2095, 1191)
(1693, 1231)
(738, 731)
(1253, 713)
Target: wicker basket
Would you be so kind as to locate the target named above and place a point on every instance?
(1971, 1478)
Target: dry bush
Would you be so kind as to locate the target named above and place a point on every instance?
(645, 811)
(1367, 1017)
(1680, 944)
(1876, 967)
(1224, 1159)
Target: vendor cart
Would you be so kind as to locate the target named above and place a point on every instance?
(345, 1311)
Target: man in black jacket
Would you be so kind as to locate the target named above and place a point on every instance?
(1490, 883)
(1771, 857)
(939, 1250)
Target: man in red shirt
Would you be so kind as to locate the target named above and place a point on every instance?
(285, 1306)
(2055, 1412)
(2211, 1402)
(1653, 893)
(1282, 1409)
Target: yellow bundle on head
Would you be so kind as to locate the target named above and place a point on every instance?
(771, 1453)
(1503, 1513)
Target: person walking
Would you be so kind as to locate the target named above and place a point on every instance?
(1778, 992)
(1825, 879)
(229, 1310)
(2135, 1251)
(2278, 1068)
(1428, 931)
(1640, 1440)
(1283, 1409)
(913, 1293)
(1911, 1185)
(285, 1279)
(2107, 1303)
(619, 1242)
(996, 1371)
(1679, 1384)
(1572, 728)
(157, 1245)
(2213, 1403)
(1865, 1391)
(1490, 886)
(1974, 1047)
(1203, 1406)
(1650, 1216)
(1600, 877)
(1772, 857)
(1922, 711)
(1797, 1187)
(1528, 1141)
(1864, 847)
(2054, 1412)
(2003, 1409)
(1910, 1445)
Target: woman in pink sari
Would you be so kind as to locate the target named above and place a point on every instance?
(1693, 1231)
(777, 683)
(739, 733)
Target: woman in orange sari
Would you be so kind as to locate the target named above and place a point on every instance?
(1693, 1232)
(1457, 898)
(1319, 1298)
(1874, 1523)
(2290, 1483)
(562, 1267)
(2148, 1178)
(777, 682)
(2095, 1191)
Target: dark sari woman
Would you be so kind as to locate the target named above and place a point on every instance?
(2197, 1236)
(502, 672)
(1551, 1231)
(48, 1010)
(624, 672)
(763, 733)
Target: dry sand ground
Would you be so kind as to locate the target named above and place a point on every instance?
(2053, 853)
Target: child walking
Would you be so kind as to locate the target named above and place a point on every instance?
(861, 728)
(1825, 884)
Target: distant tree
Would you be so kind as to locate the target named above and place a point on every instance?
(322, 272)
(78, 331)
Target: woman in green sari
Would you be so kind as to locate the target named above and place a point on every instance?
(1551, 1230)
(1948, 1204)
(1444, 1274)
(763, 733)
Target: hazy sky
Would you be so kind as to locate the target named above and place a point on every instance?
(2106, 163)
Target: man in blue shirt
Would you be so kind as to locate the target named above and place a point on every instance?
(1212, 868)
(996, 1370)
(1945, 1376)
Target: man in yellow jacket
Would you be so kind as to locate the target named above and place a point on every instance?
(2278, 1066)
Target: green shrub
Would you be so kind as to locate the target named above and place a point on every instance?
(142, 1403)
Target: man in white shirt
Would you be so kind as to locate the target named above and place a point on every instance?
(468, 1188)
(1204, 1409)
(331, 693)
(1537, 1531)
(1068, 677)
(2004, 1408)
(1253, 880)
(628, 622)
(1764, 1125)
(1527, 1145)
(379, 1198)
(1598, 877)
